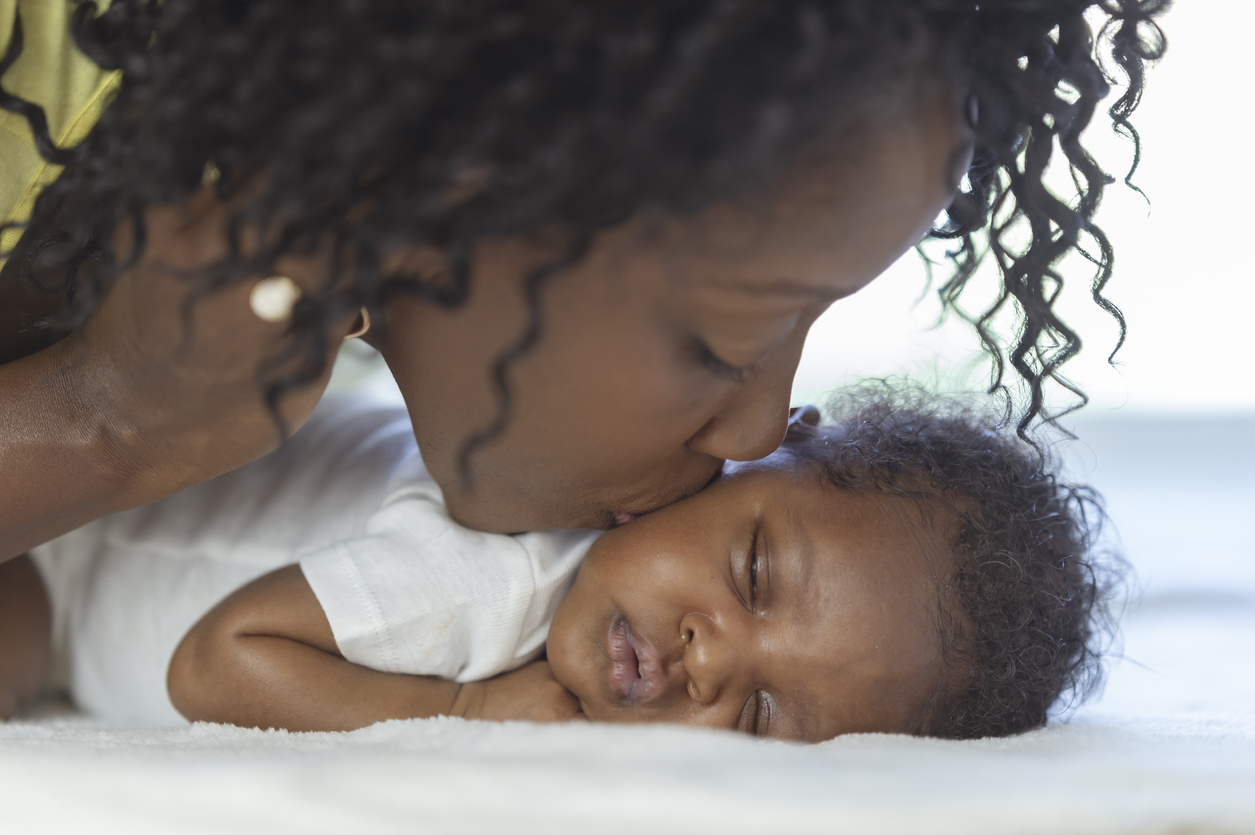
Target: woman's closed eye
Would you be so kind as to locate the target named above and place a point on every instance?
(718, 366)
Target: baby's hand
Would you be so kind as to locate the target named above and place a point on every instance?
(531, 694)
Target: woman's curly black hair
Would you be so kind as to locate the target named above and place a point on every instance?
(363, 116)
(1024, 613)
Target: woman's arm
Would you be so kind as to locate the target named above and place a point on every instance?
(266, 657)
(67, 455)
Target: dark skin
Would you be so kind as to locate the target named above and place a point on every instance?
(25, 633)
(670, 348)
(127, 410)
(773, 603)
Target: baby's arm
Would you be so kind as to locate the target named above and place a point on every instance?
(266, 657)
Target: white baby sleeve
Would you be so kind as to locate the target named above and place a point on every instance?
(422, 595)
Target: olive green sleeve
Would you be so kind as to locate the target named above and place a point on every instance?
(52, 73)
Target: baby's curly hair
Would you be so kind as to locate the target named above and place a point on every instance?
(1026, 608)
(363, 116)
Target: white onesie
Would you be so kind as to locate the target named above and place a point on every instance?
(406, 589)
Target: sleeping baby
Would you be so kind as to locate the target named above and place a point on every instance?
(901, 566)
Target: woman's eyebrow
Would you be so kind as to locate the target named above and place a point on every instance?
(788, 288)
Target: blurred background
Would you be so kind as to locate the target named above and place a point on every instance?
(1169, 433)
(1183, 270)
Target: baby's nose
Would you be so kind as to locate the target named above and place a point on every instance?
(708, 660)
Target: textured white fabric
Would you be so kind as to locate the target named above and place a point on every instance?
(1169, 750)
(404, 588)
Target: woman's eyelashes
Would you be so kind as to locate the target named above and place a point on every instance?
(719, 367)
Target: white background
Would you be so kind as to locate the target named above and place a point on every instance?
(1184, 274)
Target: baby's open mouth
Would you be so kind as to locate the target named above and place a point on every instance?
(635, 674)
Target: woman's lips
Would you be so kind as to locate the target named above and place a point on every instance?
(635, 673)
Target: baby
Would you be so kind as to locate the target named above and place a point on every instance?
(903, 566)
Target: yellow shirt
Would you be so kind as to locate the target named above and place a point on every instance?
(54, 74)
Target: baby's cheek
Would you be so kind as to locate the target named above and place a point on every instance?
(559, 649)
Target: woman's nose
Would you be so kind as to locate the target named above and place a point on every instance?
(709, 661)
(751, 424)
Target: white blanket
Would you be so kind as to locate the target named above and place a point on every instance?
(1170, 749)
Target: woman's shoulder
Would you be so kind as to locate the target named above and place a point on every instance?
(52, 73)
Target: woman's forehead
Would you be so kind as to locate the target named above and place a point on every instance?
(832, 222)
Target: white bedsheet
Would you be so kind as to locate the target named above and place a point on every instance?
(1170, 748)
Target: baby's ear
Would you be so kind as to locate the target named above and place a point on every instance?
(802, 422)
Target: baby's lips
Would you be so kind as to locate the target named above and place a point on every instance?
(649, 668)
(623, 675)
(623, 518)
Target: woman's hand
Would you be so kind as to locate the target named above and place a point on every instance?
(530, 694)
(142, 402)
(185, 380)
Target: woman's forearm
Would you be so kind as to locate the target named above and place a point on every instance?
(145, 399)
(66, 456)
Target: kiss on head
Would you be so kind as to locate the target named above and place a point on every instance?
(589, 242)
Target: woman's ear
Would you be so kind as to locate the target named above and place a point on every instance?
(422, 271)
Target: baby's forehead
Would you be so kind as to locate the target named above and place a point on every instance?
(815, 492)
(904, 497)
(892, 544)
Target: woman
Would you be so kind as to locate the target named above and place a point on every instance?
(592, 236)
